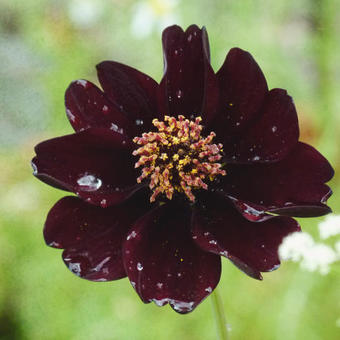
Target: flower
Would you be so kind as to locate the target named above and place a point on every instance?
(330, 226)
(313, 256)
(172, 176)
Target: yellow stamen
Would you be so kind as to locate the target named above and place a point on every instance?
(191, 158)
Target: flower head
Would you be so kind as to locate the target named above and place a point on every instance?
(169, 177)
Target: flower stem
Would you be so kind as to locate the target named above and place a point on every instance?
(220, 320)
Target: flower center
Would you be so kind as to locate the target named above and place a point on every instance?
(177, 157)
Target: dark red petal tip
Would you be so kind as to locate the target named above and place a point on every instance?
(87, 106)
(91, 236)
(293, 187)
(187, 54)
(163, 263)
(243, 88)
(253, 247)
(96, 164)
(271, 137)
(131, 91)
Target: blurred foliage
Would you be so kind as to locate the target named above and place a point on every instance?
(44, 45)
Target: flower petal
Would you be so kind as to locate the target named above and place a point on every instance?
(189, 85)
(243, 88)
(163, 263)
(91, 236)
(96, 164)
(271, 136)
(87, 106)
(294, 186)
(253, 247)
(133, 92)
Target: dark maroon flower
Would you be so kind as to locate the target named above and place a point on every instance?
(170, 176)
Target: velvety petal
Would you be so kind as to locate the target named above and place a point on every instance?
(270, 137)
(164, 265)
(189, 85)
(133, 92)
(96, 164)
(294, 186)
(91, 236)
(253, 247)
(87, 106)
(243, 88)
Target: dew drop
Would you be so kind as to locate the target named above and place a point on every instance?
(74, 268)
(139, 122)
(179, 94)
(82, 82)
(181, 306)
(189, 37)
(35, 169)
(256, 158)
(89, 183)
(274, 128)
(70, 115)
(105, 109)
(160, 302)
(139, 266)
(133, 234)
(115, 128)
(208, 289)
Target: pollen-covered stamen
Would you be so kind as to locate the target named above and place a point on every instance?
(177, 157)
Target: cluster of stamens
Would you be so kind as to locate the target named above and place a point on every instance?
(177, 157)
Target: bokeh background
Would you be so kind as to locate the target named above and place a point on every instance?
(44, 45)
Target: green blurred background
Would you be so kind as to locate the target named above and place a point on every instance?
(44, 45)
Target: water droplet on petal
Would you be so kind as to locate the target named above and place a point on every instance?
(133, 234)
(35, 169)
(81, 82)
(89, 183)
(74, 268)
(70, 115)
(139, 122)
(274, 128)
(181, 306)
(139, 266)
(179, 94)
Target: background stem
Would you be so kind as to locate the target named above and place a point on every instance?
(220, 320)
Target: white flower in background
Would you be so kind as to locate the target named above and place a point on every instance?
(85, 13)
(153, 15)
(313, 256)
(330, 226)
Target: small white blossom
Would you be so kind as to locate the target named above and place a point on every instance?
(330, 226)
(313, 256)
(153, 15)
(84, 13)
